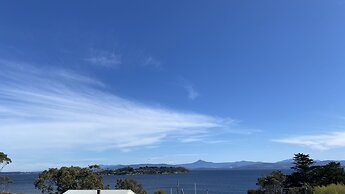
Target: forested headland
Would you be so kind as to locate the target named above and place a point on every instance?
(145, 170)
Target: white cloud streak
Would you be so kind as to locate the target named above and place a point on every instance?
(192, 93)
(42, 109)
(189, 88)
(104, 58)
(317, 142)
(151, 61)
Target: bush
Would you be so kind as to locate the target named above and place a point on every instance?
(255, 191)
(304, 189)
(160, 192)
(130, 184)
(330, 189)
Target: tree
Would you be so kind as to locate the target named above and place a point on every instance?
(130, 184)
(57, 181)
(304, 178)
(274, 183)
(4, 180)
(47, 181)
(331, 173)
(303, 165)
(4, 160)
(95, 168)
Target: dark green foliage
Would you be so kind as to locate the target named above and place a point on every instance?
(304, 189)
(274, 183)
(161, 170)
(130, 184)
(4, 160)
(4, 180)
(303, 179)
(303, 165)
(94, 167)
(331, 173)
(160, 192)
(57, 181)
(123, 171)
(145, 170)
(255, 191)
(47, 181)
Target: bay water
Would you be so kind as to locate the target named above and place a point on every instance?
(205, 181)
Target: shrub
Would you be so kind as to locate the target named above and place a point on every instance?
(330, 189)
(160, 192)
(130, 184)
(255, 191)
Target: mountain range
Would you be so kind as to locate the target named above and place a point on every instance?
(240, 165)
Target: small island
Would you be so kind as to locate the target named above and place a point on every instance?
(145, 170)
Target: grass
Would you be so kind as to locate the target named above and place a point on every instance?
(330, 189)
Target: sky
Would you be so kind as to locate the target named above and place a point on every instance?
(124, 82)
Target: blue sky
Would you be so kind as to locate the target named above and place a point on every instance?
(120, 82)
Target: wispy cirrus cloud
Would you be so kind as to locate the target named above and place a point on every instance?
(189, 88)
(41, 109)
(319, 142)
(151, 61)
(192, 93)
(104, 58)
(176, 158)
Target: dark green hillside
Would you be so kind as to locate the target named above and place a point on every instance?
(145, 170)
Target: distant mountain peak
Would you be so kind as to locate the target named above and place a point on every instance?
(202, 164)
(201, 161)
(285, 161)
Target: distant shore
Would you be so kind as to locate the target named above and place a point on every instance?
(145, 170)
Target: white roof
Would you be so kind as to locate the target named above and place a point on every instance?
(102, 192)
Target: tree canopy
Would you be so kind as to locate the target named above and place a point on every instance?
(305, 176)
(4, 180)
(130, 184)
(4, 160)
(145, 170)
(331, 173)
(57, 181)
(303, 165)
(274, 183)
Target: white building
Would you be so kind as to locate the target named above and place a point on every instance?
(99, 192)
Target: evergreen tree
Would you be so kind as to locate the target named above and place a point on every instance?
(302, 167)
(327, 174)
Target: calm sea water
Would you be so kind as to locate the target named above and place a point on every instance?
(213, 181)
